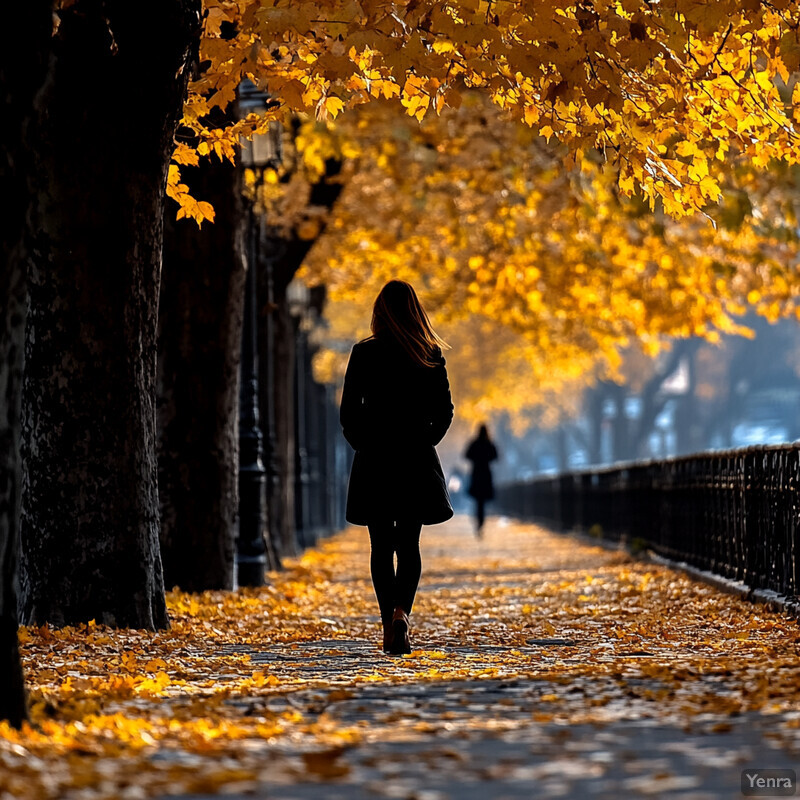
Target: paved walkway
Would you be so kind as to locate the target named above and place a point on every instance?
(543, 667)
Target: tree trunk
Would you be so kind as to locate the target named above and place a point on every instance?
(594, 400)
(302, 397)
(687, 433)
(283, 356)
(621, 426)
(286, 254)
(199, 345)
(23, 64)
(265, 336)
(90, 519)
(653, 399)
(13, 303)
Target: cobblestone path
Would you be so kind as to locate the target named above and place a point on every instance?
(543, 667)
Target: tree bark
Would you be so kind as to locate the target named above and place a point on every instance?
(283, 357)
(23, 63)
(90, 519)
(265, 336)
(13, 302)
(199, 346)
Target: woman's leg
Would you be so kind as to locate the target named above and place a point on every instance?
(381, 563)
(409, 563)
(480, 512)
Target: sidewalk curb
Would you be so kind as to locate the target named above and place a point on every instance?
(767, 597)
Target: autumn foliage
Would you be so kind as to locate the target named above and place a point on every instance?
(661, 90)
(559, 178)
(538, 270)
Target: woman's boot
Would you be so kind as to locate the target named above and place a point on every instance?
(400, 642)
(388, 637)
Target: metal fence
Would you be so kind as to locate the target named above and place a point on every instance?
(733, 513)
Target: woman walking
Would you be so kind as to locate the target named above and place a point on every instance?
(395, 408)
(481, 452)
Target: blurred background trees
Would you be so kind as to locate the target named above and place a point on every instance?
(612, 332)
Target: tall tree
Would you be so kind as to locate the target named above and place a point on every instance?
(23, 62)
(90, 541)
(200, 329)
(292, 229)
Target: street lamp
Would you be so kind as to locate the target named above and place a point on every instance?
(264, 150)
(298, 297)
(261, 153)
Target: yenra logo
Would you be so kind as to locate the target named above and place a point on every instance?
(768, 782)
(757, 782)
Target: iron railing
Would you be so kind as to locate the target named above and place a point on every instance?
(732, 513)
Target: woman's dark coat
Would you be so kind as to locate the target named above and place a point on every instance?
(481, 453)
(393, 413)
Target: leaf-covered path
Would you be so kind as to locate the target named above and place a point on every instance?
(543, 667)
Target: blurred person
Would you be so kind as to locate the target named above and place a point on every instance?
(395, 408)
(481, 452)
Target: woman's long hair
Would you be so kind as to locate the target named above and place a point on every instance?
(398, 312)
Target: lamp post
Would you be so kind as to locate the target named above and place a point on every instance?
(260, 153)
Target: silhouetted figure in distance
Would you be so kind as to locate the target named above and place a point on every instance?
(395, 408)
(481, 452)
